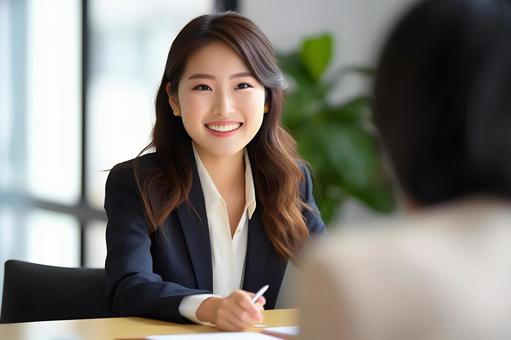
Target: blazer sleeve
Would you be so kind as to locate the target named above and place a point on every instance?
(133, 289)
(312, 216)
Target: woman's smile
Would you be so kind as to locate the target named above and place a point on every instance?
(223, 128)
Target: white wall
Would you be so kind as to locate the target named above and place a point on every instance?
(358, 25)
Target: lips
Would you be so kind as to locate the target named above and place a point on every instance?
(223, 128)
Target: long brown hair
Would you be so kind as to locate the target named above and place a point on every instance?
(272, 151)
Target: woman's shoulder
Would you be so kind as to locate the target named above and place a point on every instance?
(145, 160)
(143, 165)
(306, 182)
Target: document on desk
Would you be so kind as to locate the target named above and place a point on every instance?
(279, 331)
(213, 336)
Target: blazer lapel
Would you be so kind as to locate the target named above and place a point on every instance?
(194, 223)
(257, 253)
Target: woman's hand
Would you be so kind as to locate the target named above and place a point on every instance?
(235, 312)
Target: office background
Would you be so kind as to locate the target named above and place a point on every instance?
(77, 82)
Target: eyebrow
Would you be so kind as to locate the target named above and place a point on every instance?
(209, 76)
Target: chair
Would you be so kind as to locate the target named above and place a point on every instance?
(35, 292)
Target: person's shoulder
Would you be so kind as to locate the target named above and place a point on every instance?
(143, 165)
(393, 239)
(405, 258)
(145, 160)
(303, 166)
(350, 241)
(306, 182)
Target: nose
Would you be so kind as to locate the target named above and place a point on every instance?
(224, 104)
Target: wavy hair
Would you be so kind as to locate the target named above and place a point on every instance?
(272, 152)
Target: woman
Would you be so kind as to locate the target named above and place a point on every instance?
(224, 202)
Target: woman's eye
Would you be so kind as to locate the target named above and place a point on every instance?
(243, 86)
(202, 87)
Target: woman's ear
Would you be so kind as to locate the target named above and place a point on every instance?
(173, 102)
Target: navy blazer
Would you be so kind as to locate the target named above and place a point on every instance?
(148, 274)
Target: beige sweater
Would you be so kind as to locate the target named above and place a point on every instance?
(443, 273)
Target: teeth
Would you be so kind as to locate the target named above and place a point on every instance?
(224, 128)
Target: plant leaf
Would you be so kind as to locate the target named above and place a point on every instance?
(293, 67)
(352, 154)
(356, 111)
(347, 152)
(335, 139)
(379, 196)
(315, 55)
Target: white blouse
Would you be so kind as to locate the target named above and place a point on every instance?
(227, 253)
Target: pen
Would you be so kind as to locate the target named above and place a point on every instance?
(260, 293)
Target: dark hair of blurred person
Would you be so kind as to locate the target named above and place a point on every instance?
(443, 100)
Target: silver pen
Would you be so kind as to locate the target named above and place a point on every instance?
(260, 293)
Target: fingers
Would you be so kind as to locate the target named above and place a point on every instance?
(242, 321)
(234, 318)
(244, 300)
(261, 301)
(237, 312)
(226, 318)
(242, 314)
(228, 325)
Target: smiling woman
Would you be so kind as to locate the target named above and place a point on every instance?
(224, 202)
(218, 97)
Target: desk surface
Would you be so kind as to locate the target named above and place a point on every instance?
(121, 328)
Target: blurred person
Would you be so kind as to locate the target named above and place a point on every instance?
(224, 201)
(442, 105)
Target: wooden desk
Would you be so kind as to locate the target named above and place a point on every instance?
(121, 328)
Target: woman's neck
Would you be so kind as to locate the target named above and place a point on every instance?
(227, 172)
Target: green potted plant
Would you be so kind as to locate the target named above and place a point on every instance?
(337, 139)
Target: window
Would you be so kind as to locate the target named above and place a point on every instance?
(76, 97)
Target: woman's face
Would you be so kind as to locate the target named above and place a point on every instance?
(221, 103)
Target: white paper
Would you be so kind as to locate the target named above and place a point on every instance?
(288, 330)
(213, 336)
